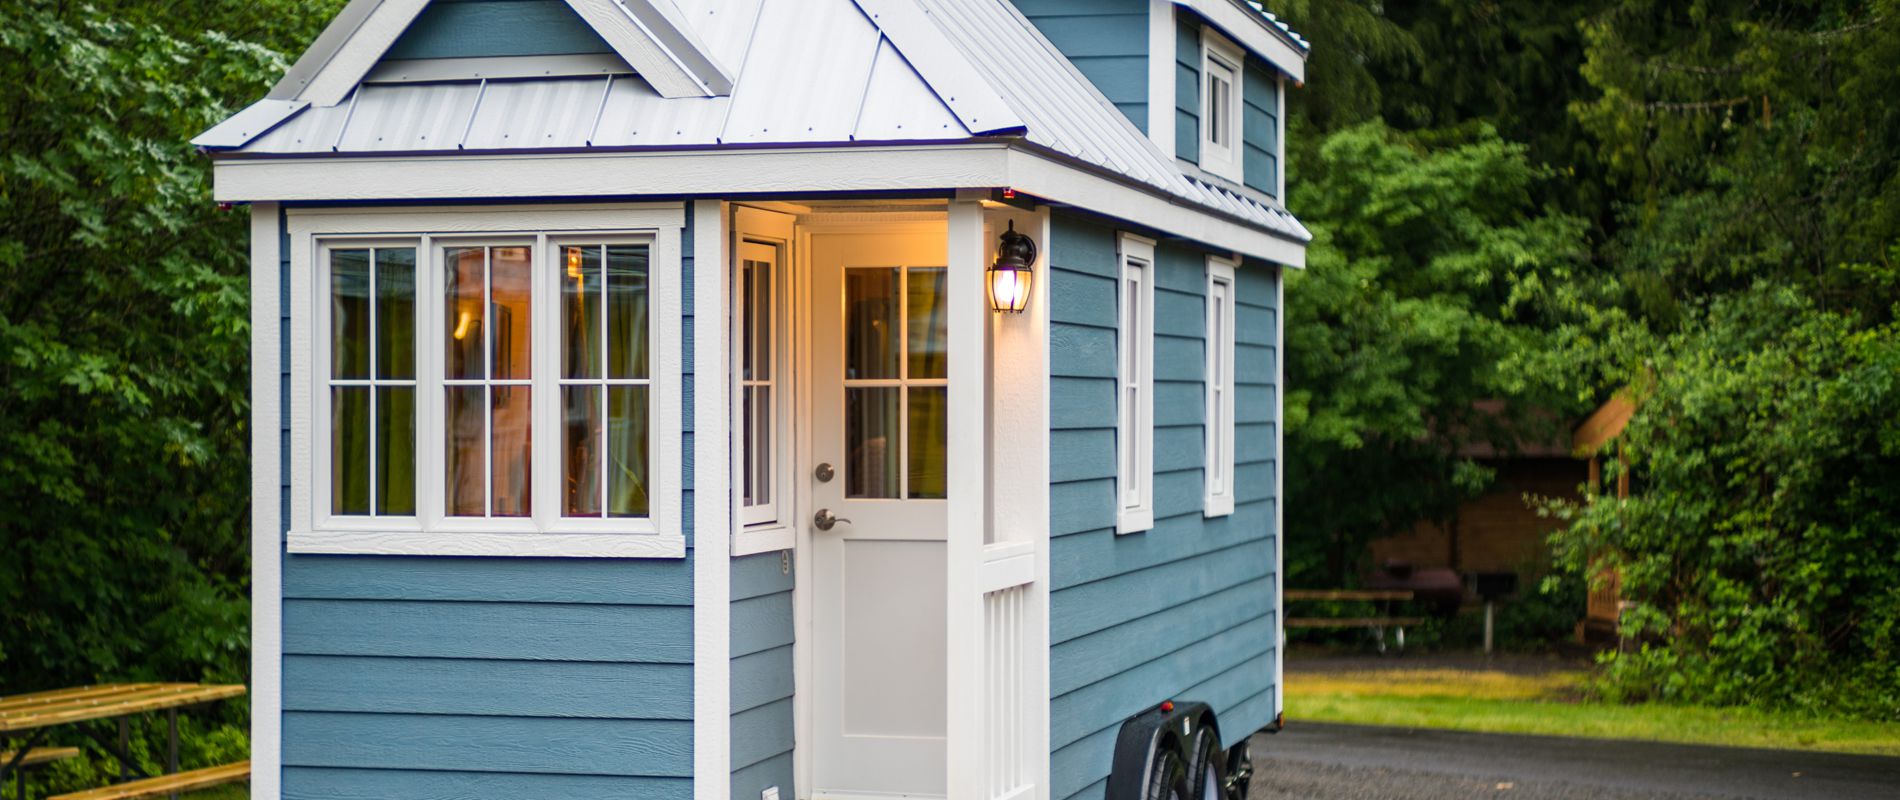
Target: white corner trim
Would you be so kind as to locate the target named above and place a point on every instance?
(1135, 255)
(1254, 32)
(1038, 687)
(966, 466)
(267, 631)
(1279, 488)
(713, 509)
(1161, 71)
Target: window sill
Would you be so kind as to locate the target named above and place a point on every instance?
(1134, 521)
(762, 539)
(519, 545)
(1218, 506)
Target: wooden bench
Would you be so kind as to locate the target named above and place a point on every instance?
(41, 755)
(1376, 624)
(167, 784)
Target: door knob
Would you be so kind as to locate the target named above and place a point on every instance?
(824, 519)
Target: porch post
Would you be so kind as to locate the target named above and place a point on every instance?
(966, 465)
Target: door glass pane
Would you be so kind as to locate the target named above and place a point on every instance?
(627, 311)
(349, 450)
(581, 446)
(395, 450)
(928, 425)
(929, 327)
(870, 313)
(463, 295)
(396, 313)
(580, 313)
(627, 447)
(467, 464)
(508, 292)
(871, 457)
(349, 314)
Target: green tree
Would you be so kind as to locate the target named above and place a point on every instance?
(1430, 271)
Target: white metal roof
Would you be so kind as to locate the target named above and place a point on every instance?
(808, 72)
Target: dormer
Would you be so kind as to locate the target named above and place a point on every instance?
(1206, 80)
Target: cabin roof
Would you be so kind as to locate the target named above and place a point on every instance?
(832, 73)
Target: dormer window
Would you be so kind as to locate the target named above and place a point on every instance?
(1221, 63)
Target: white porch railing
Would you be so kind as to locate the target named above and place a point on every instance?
(1005, 723)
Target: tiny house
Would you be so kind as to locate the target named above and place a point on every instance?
(767, 398)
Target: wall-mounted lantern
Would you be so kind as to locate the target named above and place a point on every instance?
(1010, 275)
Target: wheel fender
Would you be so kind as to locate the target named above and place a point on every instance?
(1170, 725)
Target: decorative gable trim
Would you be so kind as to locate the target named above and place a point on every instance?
(651, 35)
(1254, 31)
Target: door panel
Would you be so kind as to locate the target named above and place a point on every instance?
(878, 576)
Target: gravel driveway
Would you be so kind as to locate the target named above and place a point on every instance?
(1317, 761)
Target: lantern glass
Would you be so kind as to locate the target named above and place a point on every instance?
(1009, 288)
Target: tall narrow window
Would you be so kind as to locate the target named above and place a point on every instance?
(1220, 387)
(762, 383)
(605, 381)
(373, 381)
(1134, 440)
(1221, 63)
(488, 380)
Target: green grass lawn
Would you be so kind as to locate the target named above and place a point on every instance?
(1551, 704)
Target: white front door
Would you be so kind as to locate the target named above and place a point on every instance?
(879, 371)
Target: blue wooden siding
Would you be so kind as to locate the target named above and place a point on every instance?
(1187, 87)
(1107, 40)
(1260, 127)
(473, 678)
(478, 28)
(761, 676)
(1184, 610)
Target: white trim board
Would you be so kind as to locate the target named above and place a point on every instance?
(1161, 69)
(713, 508)
(267, 552)
(1254, 32)
(651, 35)
(749, 172)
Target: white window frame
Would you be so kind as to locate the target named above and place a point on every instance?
(1134, 383)
(1221, 57)
(314, 232)
(766, 526)
(1221, 317)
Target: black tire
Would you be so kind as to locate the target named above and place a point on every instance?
(1204, 773)
(1168, 779)
(1239, 776)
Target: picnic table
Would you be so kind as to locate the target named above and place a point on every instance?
(30, 717)
(1378, 624)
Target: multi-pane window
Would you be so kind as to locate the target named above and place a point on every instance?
(1220, 387)
(466, 383)
(1134, 440)
(605, 381)
(762, 383)
(372, 381)
(1220, 105)
(896, 383)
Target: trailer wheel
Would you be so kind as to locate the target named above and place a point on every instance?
(1168, 779)
(1204, 773)
(1239, 770)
